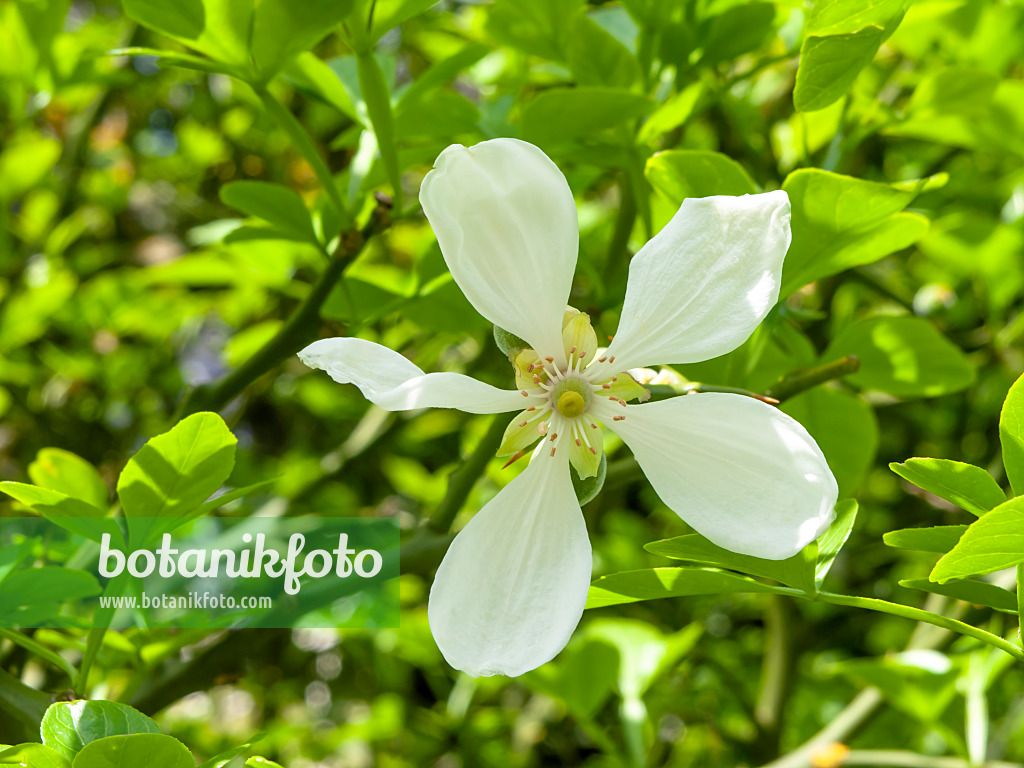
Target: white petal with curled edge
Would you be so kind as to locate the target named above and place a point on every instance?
(395, 384)
(512, 587)
(506, 222)
(700, 287)
(738, 471)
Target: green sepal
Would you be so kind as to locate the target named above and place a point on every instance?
(587, 488)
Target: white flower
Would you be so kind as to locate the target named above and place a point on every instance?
(514, 582)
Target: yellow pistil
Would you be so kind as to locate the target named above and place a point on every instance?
(571, 404)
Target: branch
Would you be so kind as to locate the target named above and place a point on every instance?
(300, 329)
(802, 379)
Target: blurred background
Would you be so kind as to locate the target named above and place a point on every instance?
(126, 281)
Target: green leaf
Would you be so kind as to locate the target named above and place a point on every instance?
(842, 37)
(274, 203)
(388, 14)
(49, 503)
(224, 757)
(952, 91)
(66, 473)
(683, 173)
(174, 473)
(919, 683)
(377, 96)
(540, 27)
(974, 592)
(969, 487)
(904, 356)
(674, 112)
(148, 749)
(832, 541)
(25, 162)
(843, 426)
(218, 28)
(69, 725)
(841, 222)
(40, 650)
(796, 571)
(261, 762)
(1011, 436)
(991, 543)
(32, 756)
(226, 498)
(938, 538)
(655, 583)
(582, 677)
(282, 29)
(735, 31)
(597, 58)
(563, 114)
(509, 344)
(181, 60)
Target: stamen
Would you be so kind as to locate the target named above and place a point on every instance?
(554, 436)
(536, 379)
(552, 451)
(611, 359)
(593, 450)
(524, 393)
(615, 378)
(606, 386)
(601, 359)
(577, 442)
(583, 354)
(550, 359)
(572, 350)
(618, 418)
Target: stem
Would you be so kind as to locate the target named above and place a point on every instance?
(917, 614)
(1020, 603)
(802, 379)
(776, 675)
(464, 478)
(304, 143)
(898, 758)
(298, 331)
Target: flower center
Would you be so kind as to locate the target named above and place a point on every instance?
(571, 404)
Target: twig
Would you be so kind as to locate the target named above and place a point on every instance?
(298, 331)
(802, 379)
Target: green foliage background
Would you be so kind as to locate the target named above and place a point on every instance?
(167, 242)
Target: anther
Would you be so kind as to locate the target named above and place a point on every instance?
(550, 359)
(582, 354)
(606, 386)
(523, 393)
(554, 435)
(618, 418)
(611, 359)
(615, 378)
(572, 350)
(601, 359)
(552, 451)
(577, 442)
(536, 379)
(522, 423)
(593, 450)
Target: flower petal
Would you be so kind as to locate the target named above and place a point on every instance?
(396, 384)
(740, 472)
(512, 587)
(700, 287)
(506, 222)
